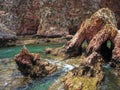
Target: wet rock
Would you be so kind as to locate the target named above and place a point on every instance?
(84, 77)
(30, 64)
(48, 50)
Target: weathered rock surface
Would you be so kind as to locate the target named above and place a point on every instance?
(92, 28)
(30, 64)
(27, 12)
(21, 16)
(60, 18)
(7, 36)
(114, 5)
(51, 18)
(97, 30)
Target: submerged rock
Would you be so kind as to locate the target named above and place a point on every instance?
(30, 64)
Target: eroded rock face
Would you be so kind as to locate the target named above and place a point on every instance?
(93, 30)
(7, 37)
(114, 5)
(48, 18)
(30, 64)
(27, 12)
(85, 76)
(97, 30)
(60, 18)
(21, 16)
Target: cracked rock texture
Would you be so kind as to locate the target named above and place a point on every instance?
(51, 18)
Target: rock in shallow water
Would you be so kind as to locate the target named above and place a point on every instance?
(30, 64)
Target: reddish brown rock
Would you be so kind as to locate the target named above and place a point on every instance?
(61, 18)
(51, 18)
(114, 5)
(28, 14)
(20, 16)
(97, 30)
(90, 29)
(30, 64)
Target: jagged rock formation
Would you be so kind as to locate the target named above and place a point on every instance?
(103, 21)
(85, 77)
(30, 64)
(97, 31)
(6, 36)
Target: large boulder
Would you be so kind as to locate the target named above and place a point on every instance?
(30, 64)
(7, 37)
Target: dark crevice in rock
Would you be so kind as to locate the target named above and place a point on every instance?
(106, 51)
(73, 30)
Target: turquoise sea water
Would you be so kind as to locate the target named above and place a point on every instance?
(11, 79)
(9, 72)
(10, 52)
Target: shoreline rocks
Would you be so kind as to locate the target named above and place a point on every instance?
(30, 64)
(7, 37)
(96, 30)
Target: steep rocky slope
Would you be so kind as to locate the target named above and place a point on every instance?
(61, 17)
(52, 18)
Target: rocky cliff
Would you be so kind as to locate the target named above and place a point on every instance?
(51, 17)
(7, 37)
(61, 17)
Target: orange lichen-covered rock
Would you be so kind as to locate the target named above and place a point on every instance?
(30, 64)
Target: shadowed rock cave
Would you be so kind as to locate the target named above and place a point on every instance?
(106, 50)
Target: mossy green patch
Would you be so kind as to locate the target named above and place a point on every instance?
(86, 83)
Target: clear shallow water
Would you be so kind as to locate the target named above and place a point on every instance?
(111, 81)
(10, 52)
(46, 82)
(11, 78)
